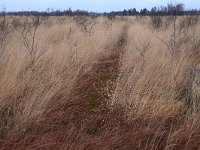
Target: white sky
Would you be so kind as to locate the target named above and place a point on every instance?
(91, 5)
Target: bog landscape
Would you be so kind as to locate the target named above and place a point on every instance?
(100, 82)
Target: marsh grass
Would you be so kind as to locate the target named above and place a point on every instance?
(125, 84)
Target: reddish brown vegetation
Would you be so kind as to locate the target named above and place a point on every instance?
(83, 118)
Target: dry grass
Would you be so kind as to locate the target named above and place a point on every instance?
(125, 85)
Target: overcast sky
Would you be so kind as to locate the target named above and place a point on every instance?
(91, 5)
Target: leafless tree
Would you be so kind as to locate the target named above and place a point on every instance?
(5, 30)
(29, 34)
(156, 21)
(108, 23)
(143, 45)
(86, 23)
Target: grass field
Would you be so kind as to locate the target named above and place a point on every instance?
(87, 83)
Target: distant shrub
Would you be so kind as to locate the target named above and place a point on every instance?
(189, 21)
(86, 23)
(156, 21)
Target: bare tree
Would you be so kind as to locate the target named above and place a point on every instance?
(143, 45)
(189, 22)
(175, 38)
(29, 35)
(5, 30)
(86, 23)
(108, 23)
(156, 21)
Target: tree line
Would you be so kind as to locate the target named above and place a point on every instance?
(170, 9)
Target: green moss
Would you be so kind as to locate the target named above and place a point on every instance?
(101, 89)
(92, 101)
(105, 85)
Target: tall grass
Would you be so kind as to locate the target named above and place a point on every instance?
(156, 88)
(25, 93)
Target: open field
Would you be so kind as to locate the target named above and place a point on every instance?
(87, 83)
